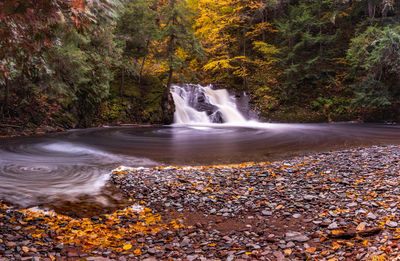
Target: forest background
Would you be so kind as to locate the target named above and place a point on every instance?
(80, 63)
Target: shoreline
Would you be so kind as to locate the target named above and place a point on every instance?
(11, 131)
(340, 205)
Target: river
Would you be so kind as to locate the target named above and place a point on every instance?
(40, 169)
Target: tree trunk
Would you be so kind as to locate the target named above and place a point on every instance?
(121, 87)
(144, 59)
(171, 47)
(263, 21)
(371, 10)
(170, 73)
(4, 109)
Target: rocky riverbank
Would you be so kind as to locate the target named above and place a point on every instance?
(342, 205)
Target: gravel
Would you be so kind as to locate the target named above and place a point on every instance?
(339, 205)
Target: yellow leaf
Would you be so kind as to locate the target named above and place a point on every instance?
(248, 253)
(287, 252)
(279, 207)
(127, 246)
(365, 242)
(25, 249)
(137, 252)
(360, 227)
(378, 258)
(311, 250)
(212, 245)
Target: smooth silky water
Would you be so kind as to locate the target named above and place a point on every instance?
(42, 169)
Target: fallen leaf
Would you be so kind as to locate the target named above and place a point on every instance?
(324, 253)
(137, 252)
(335, 246)
(127, 246)
(378, 258)
(311, 250)
(360, 227)
(337, 232)
(25, 249)
(279, 207)
(287, 252)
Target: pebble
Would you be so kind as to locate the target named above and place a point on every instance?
(285, 209)
(266, 213)
(296, 236)
(333, 226)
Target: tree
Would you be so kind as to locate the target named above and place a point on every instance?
(375, 57)
(308, 35)
(177, 36)
(136, 30)
(27, 32)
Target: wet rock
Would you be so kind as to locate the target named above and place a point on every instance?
(296, 236)
(266, 213)
(333, 226)
(371, 215)
(152, 251)
(185, 242)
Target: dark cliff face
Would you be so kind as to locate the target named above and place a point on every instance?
(168, 108)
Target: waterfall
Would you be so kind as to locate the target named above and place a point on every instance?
(202, 104)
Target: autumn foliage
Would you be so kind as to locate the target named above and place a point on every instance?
(297, 60)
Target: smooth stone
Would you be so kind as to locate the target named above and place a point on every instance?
(185, 241)
(290, 245)
(152, 251)
(333, 226)
(266, 213)
(296, 236)
(309, 197)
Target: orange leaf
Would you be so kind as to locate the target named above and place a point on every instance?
(137, 252)
(360, 227)
(311, 250)
(335, 246)
(287, 252)
(337, 232)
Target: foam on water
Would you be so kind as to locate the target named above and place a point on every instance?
(192, 102)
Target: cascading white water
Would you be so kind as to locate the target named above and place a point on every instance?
(202, 104)
(184, 113)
